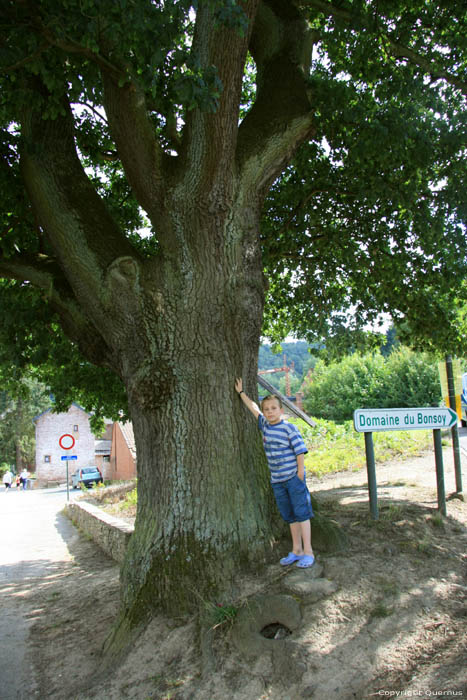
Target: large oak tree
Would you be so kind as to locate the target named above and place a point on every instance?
(300, 151)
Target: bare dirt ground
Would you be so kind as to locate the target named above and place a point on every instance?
(391, 622)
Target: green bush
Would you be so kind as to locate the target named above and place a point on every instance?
(402, 380)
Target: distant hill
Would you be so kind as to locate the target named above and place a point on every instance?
(296, 352)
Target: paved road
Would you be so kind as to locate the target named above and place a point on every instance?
(463, 445)
(34, 537)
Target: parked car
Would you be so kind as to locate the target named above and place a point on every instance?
(87, 476)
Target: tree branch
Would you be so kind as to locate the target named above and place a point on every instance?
(281, 117)
(398, 50)
(134, 134)
(210, 138)
(81, 231)
(45, 274)
(436, 73)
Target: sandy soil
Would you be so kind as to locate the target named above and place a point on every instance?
(390, 622)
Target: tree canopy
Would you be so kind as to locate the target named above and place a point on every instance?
(369, 216)
(371, 213)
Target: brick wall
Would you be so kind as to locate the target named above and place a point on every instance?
(123, 453)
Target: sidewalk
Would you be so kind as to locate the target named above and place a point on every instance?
(35, 538)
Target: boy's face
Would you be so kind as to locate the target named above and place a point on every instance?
(272, 411)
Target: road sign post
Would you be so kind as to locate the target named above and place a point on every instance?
(67, 442)
(370, 420)
(439, 471)
(371, 471)
(67, 458)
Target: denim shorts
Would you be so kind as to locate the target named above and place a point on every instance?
(293, 500)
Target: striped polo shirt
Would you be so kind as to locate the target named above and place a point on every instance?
(282, 443)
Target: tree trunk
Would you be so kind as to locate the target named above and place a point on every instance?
(178, 327)
(205, 507)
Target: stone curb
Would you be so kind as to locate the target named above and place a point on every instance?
(107, 531)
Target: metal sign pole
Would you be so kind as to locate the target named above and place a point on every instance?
(439, 471)
(371, 470)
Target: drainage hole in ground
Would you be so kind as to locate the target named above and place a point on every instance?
(275, 631)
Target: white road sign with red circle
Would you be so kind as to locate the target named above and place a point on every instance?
(66, 441)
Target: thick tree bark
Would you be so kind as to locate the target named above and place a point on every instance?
(205, 506)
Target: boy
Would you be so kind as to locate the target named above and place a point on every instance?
(285, 452)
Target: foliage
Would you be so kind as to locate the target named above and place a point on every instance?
(297, 358)
(391, 343)
(34, 347)
(17, 431)
(369, 216)
(297, 353)
(404, 379)
(447, 316)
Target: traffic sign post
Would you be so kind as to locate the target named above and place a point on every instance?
(67, 442)
(371, 471)
(372, 420)
(439, 471)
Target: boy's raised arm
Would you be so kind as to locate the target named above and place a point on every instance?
(251, 406)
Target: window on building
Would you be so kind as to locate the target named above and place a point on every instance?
(46, 458)
(75, 428)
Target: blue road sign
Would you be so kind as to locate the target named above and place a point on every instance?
(67, 457)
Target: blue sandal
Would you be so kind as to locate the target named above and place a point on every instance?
(291, 558)
(306, 561)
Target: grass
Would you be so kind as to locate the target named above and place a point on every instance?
(334, 447)
(392, 513)
(437, 520)
(217, 614)
(381, 610)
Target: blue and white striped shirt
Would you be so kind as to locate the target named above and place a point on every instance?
(282, 443)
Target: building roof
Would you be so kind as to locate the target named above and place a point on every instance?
(129, 436)
(50, 410)
(102, 447)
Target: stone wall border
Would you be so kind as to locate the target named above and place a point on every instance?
(110, 533)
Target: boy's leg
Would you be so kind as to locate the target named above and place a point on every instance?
(305, 534)
(301, 538)
(296, 532)
(300, 504)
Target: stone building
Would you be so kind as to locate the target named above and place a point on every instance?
(50, 427)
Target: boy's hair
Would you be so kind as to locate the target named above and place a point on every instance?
(270, 397)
